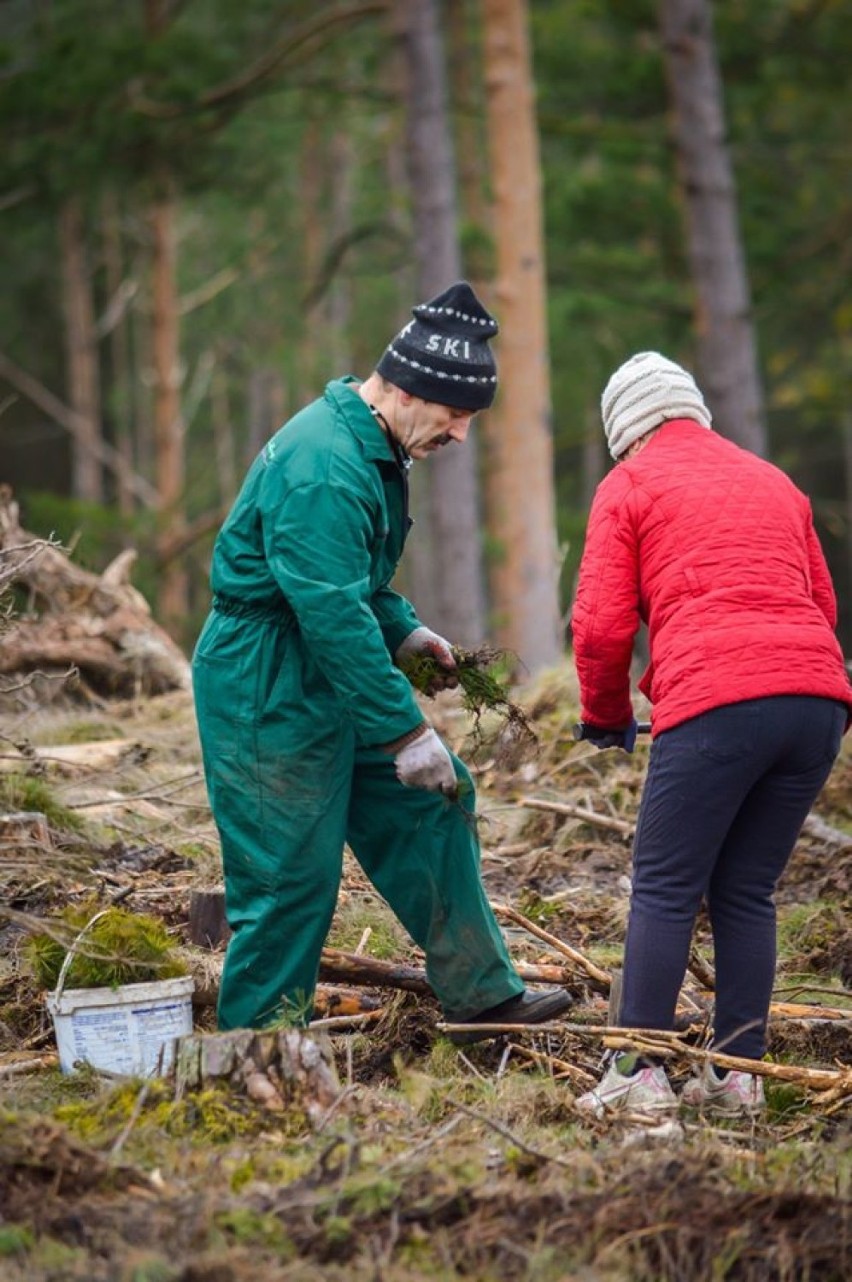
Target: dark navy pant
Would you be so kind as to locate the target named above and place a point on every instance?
(724, 800)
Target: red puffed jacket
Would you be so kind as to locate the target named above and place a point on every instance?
(715, 549)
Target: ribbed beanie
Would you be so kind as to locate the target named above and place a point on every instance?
(645, 391)
(443, 354)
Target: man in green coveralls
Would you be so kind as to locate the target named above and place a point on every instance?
(310, 731)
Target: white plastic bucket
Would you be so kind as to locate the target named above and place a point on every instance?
(130, 1029)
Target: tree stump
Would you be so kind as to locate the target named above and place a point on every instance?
(284, 1070)
(24, 828)
(208, 927)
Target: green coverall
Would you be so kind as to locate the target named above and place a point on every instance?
(295, 687)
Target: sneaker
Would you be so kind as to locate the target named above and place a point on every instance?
(736, 1092)
(526, 1008)
(646, 1091)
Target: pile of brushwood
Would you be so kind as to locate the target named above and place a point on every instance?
(368, 1145)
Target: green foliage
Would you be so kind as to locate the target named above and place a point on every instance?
(121, 947)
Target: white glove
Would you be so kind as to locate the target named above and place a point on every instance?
(425, 641)
(425, 763)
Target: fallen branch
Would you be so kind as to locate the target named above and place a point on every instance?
(578, 812)
(602, 977)
(578, 1075)
(812, 827)
(818, 828)
(28, 1065)
(347, 1021)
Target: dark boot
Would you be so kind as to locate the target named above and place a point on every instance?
(526, 1008)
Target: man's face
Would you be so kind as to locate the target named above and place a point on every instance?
(422, 427)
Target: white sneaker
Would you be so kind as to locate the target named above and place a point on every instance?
(647, 1091)
(736, 1092)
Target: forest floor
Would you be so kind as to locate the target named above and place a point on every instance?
(433, 1162)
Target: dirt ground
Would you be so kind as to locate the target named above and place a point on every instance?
(431, 1162)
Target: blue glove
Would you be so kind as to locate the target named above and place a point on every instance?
(602, 737)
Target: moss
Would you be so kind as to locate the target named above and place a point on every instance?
(121, 947)
(15, 1239)
(213, 1116)
(155, 1269)
(387, 939)
(91, 731)
(537, 909)
(21, 792)
(253, 1228)
(783, 1101)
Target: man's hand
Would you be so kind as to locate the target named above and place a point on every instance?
(424, 642)
(425, 763)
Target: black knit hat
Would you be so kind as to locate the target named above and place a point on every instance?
(443, 354)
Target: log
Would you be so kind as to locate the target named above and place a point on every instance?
(284, 1070)
(99, 624)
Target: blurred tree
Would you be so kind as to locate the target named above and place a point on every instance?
(82, 367)
(727, 355)
(447, 576)
(520, 451)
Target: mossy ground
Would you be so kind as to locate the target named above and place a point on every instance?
(435, 1163)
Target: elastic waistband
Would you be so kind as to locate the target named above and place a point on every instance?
(275, 609)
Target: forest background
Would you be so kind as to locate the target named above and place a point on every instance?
(210, 209)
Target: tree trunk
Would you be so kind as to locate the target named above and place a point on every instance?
(520, 493)
(121, 400)
(169, 461)
(267, 399)
(309, 376)
(446, 499)
(726, 354)
(846, 597)
(223, 436)
(82, 353)
(339, 293)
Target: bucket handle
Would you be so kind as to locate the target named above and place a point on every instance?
(69, 956)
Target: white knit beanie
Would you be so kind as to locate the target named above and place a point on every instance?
(643, 392)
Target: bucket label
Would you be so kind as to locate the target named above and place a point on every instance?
(158, 1027)
(98, 1028)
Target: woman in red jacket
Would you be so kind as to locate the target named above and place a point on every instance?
(715, 550)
